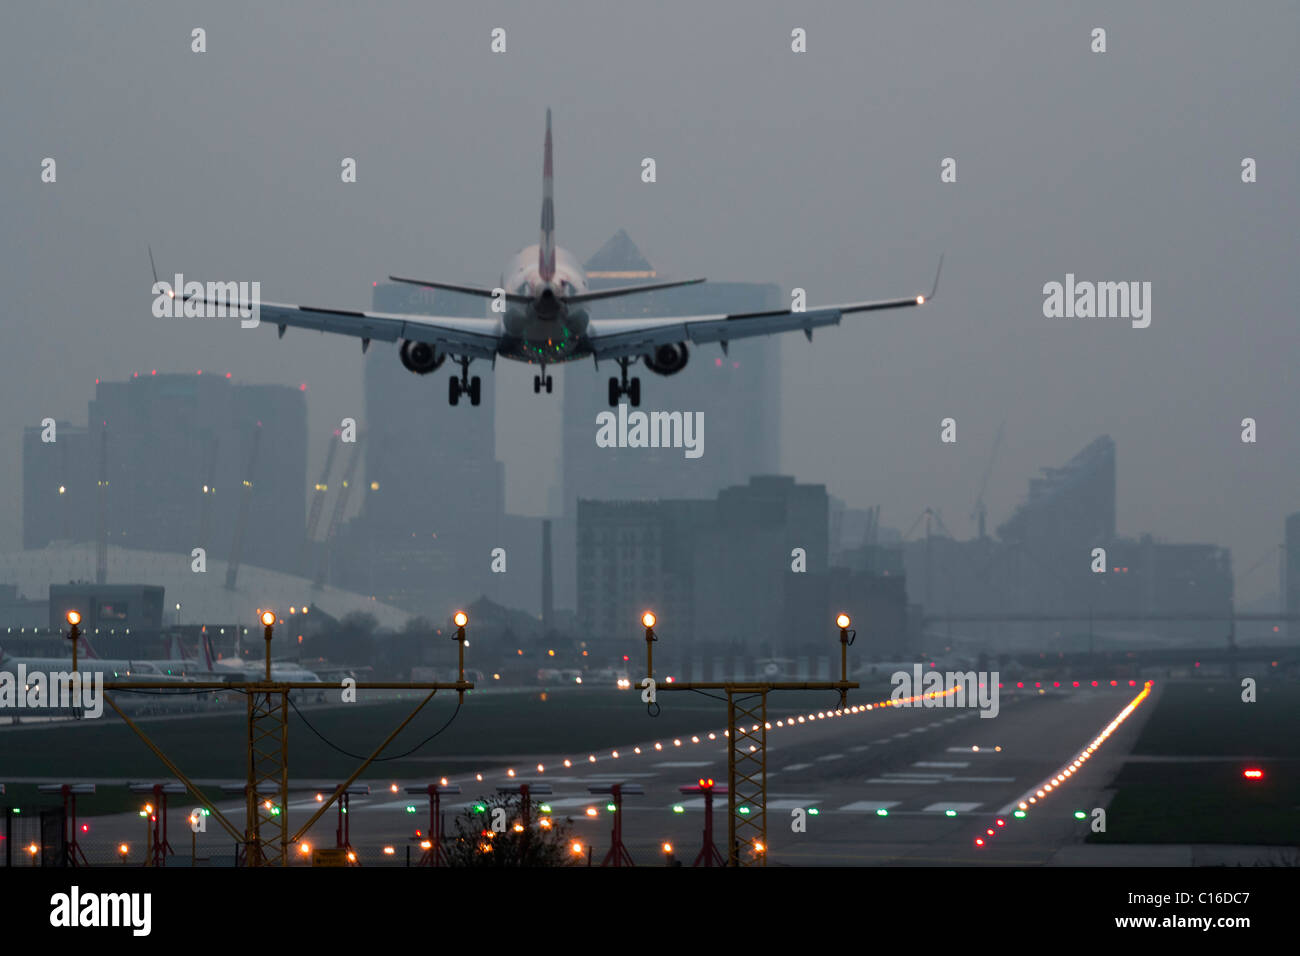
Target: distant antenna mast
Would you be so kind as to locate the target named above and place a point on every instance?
(101, 518)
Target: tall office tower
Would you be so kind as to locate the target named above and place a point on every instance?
(738, 393)
(635, 556)
(177, 451)
(1070, 510)
(717, 572)
(59, 484)
(433, 494)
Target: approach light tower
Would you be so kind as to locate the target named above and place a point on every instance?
(74, 635)
(266, 837)
(747, 739)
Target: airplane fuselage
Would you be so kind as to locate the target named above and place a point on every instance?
(546, 331)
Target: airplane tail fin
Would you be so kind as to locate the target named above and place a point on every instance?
(207, 651)
(546, 249)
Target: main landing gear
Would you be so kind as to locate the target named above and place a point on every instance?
(542, 381)
(618, 388)
(464, 385)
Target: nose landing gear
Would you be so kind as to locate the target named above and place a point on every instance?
(618, 388)
(473, 387)
(542, 381)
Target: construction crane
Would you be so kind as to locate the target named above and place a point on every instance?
(245, 494)
(318, 502)
(336, 519)
(978, 511)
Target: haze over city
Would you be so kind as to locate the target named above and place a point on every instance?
(820, 172)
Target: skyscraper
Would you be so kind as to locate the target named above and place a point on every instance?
(433, 494)
(737, 391)
(177, 449)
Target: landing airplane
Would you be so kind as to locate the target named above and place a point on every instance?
(541, 318)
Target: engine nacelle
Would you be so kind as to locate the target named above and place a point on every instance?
(667, 359)
(421, 357)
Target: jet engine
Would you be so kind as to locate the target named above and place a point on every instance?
(667, 359)
(421, 357)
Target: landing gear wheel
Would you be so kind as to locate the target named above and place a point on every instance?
(614, 391)
(453, 391)
(475, 390)
(537, 385)
(634, 392)
(549, 382)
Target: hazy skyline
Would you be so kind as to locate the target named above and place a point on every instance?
(818, 170)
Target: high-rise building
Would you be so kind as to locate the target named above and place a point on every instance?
(59, 482)
(433, 497)
(177, 452)
(719, 573)
(738, 392)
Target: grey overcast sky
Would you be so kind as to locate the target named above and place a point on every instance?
(818, 170)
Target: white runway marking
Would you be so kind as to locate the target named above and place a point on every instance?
(959, 807)
(909, 775)
(830, 757)
(682, 763)
(942, 763)
(796, 766)
(982, 779)
(868, 806)
(910, 780)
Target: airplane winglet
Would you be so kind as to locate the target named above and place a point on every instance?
(936, 278)
(152, 266)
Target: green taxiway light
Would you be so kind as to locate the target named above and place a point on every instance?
(1080, 815)
(678, 808)
(610, 807)
(742, 809)
(950, 813)
(1020, 814)
(480, 808)
(882, 812)
(546, 808)
(410, 808)
(813, 811)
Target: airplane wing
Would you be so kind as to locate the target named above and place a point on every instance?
(462, 336)
(619, 338)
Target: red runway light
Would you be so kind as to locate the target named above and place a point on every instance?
(979, 841)
(1254, 774)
